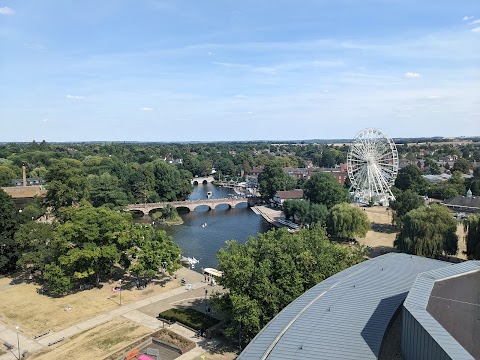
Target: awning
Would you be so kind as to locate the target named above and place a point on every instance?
(213, 272)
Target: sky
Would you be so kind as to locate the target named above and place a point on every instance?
(222, 70)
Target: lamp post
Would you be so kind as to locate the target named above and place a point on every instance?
(205, 315)
(120, 281)
(18, 342)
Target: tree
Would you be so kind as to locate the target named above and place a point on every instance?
(323, 188)
(36, 245)
(8, 226)
(274, 179)
(318, 214)
(462, 165)
(403, 203)
(6, 175)
(457, 182)
(154, 250)
(476, 173)
(442, 191)
(105, 190)
(169, 183)
(57, 282)
(93, 240)
(67, 183)
(305, 212)
(472, 236)
(268, 272)
(411, 178)
(428, 231)
(347, 221)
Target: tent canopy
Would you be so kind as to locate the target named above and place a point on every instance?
(213, 272)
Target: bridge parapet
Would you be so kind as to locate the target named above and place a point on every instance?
(190, 204)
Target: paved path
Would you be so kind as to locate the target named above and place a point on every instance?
(129, 311)
(10, 336)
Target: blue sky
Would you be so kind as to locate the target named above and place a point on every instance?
(237, 70)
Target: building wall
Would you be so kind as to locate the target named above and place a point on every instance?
(417, 344)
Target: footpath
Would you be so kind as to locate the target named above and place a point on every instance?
(155, 304)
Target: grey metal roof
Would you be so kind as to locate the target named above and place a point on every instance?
(417, 301)
(343, 317)
(464, 201)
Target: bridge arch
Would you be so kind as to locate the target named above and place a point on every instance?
(203, 206)
(202, 180)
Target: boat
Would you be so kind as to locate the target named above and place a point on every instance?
(209, 193)
(204, 225)
(191, 261)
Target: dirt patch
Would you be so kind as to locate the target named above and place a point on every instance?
(96, 343)
(382, 235)
(40, 313)
(224, 351)
(173, 338)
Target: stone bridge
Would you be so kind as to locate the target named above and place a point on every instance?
(202, 180)
(189, 204)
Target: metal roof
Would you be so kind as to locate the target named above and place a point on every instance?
(344, 316)
(464, 201)
(417, 302)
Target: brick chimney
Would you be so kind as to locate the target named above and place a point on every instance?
(24, 175)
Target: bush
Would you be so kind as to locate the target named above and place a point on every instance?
(190, 317)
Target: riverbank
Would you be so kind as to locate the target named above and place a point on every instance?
(270, 215)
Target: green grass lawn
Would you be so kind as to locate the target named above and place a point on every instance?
(189, 317)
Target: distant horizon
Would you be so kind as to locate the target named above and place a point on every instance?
(279, 141)
(170, 71)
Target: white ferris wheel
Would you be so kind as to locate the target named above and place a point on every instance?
(372, 165)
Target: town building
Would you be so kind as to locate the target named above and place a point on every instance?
(467, 203)
(281, 196)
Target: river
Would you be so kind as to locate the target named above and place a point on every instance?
(223, 224)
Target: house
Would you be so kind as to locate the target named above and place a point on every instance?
(339, 173)
(255, 171)
(281, 196)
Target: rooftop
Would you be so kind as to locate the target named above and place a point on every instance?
(344, 316)
(445, 290)
(464, 201)
(455, 304)
(290, 194)
(20, 192)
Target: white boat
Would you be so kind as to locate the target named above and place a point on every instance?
(191, 261)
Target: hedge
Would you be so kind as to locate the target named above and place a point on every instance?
(189, 317)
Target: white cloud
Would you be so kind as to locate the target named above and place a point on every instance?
(477, 29)
(45, 120)
(474, 22)
(6, 11)
(412, 75)
(34, 46)
(74, 97)
(147, 109)
(466, 18)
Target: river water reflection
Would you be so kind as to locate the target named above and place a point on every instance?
(223, 224)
